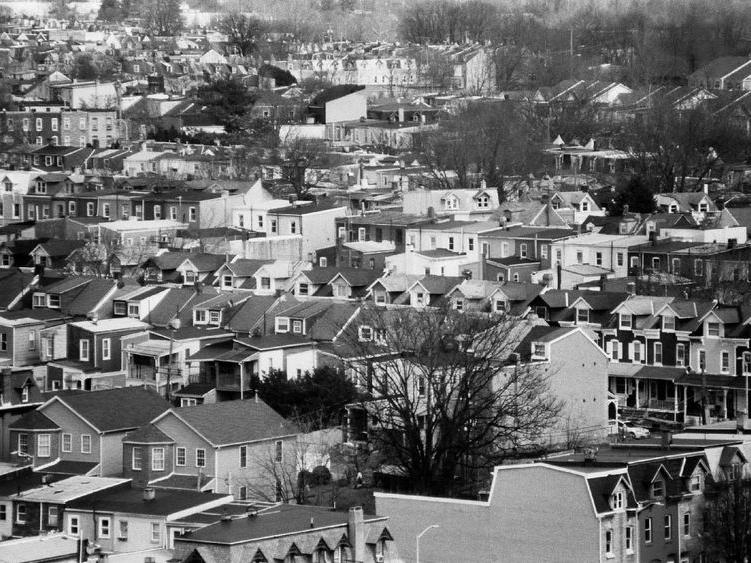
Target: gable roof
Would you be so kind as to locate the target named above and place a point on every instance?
(113, 410)
(234, 422)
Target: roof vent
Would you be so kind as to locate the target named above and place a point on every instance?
(149, 494)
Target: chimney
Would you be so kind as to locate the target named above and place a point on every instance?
(356, 532)
(560, 271)
(603, 279)
(149, 494)
(256, 396)
(401, 115)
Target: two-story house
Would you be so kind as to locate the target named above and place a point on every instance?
(465, 204)
(84, 430)
(94, 359)
(228, 444)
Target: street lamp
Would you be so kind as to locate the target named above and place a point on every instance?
(417, 540)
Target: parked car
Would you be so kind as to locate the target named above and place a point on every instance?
(628, 429)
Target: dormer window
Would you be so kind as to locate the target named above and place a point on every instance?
(696, 484)
(616, 500)
(41, 187)
(582, 316)
(134, 310)
(713, 329)
(673, 208)
(451, 202)
(297, 327)
(459, 304)
(53, 301)
(215, 317)
(668, 322)
(39, 300)
(585, 205)
(501, 306)
(625, 321)
(199, 316)
(8, 185)
(282, 324)
(226, 281)
(483, 201)
(365, 333)
(539, 351)
(657, 490)
(703, 207)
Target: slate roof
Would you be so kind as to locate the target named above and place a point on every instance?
(87, 300)
(440, 285)
(245, 267)
(233, 422)
(61, 248)
(601, 488)
(148, 434)
(118, 409)
(245, 316)
(34, 420)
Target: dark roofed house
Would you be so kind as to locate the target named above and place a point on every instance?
(291, 531)
(91, 425)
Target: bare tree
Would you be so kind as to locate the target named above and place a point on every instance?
(727, 519)
(442, 403)
(242, 31)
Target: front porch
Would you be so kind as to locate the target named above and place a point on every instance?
(155, 364)
(643, 391)
(230, 371)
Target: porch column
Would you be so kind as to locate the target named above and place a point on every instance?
(242, 378)
(685, 403)
(675, 403)
(637, 393)
(724, 409)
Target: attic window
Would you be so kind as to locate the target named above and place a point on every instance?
(53, 301)
(451, 202)
(214, 317)
(657, 490)
(538, 350)
(616, 500)
(282, 324)
(483, 201)
(582, 315)
(668, 322)
(365, 334)
(625, 321)
(713, 329)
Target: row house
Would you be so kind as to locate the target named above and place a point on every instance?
(462, 237)
(566, 307)
(52, 158)
(22, 343)
(158, 358)
(461, 204)
(58, 126)
(315, 224)
(19, 395)
(94, 355)
(685, 358)
(85, 430)
(530, 243)
(197, 209)
(436, 262)
(340, 283)
(15, 185)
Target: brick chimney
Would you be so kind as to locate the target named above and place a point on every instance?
(356, 532)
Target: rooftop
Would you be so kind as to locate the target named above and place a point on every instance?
(69, 489)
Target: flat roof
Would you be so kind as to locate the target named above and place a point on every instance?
(69, 489)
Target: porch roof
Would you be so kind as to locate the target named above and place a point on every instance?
(154, 348)
(713, 381)
(637, 371)
(210, 354)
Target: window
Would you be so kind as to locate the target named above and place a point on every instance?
(609, 542)
(702, 360)
(25, 124)
(67, 442)
(4, 341)
(265, 282)
(23, 443)
(697, 482)
(44, 445)
(579, 256)
(302, 289)
(21, 513)
(227, 281)
(32, 340)
(598, 258)
(655, 263)
(629, 538)
(657, 355)
(282, 324)
(133, 310)
(273, 226)
(713, 329)
(173, 213)
(523, 250)
(3, 512)
(85, 443)
(52, 516)
(366, 334)
(459, 304)
(680, 355)
(55, 124)
(278, 451)
(122, 529)
(538, 350)
(293, 227)
(38, 123)
(214, 317)
(119, 308)
(156, 532)
(616, 500)
(625, 321)
(200, 315)
(104, 527)
(687, 524)
(647, 530)
(636, 347)
(619, 258)
(243, 456)
(25, 394)
(157, 459)
(725, 361)
(136, 461)
(668, 525)
(297, 327)
(471, 244)
(89, 208)
(83, 350)
(451, 243)
(668, 322)
(180, 457)
(698, 269)
(200, 457)
(73, 525)
(746, 362)
(106, 348)
(657, 490)
(192, 214)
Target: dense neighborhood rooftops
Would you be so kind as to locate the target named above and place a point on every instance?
(131, 501)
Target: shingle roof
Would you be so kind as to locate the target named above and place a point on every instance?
(148, 434)
(111, 410)
(87, 300)
(34, 420)
(131, 501)
(440, 285)
(247, 315)
(233, 422)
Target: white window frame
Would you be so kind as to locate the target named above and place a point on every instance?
(648, 530)
(104, 530)
(180, 452)
(686, 525)
(44, 449)
(156, 532)
(66, 442)
(158, 459)
(136, 458)
(106, 348)
(657, 356)
(625, 326)
(85, 448)
(84, 347)
(680, 358)
(668, 527)
(74, 525)
(202, 463)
